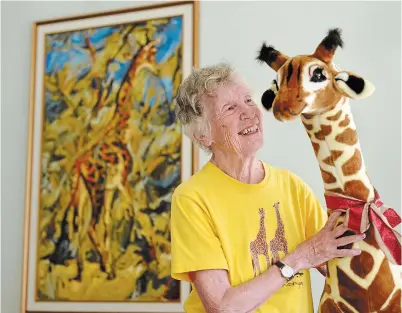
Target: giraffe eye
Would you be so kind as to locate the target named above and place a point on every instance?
(317, 75)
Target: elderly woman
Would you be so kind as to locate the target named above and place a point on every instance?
(244, 232)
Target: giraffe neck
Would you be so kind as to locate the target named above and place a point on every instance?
(278, 220)
(337, 148)
(262, 227)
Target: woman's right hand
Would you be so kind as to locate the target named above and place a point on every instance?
(324, 245)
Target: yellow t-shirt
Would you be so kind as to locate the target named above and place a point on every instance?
(221, 223)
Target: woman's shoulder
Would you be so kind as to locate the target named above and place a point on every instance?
(193, 184)
(284, 174)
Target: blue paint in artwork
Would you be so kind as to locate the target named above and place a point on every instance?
(171, 38)
(120, 73)
(53, 108)
(152, 101)
(83, 73)
(77, 38)
(100, 34)
(154, 83)
(96, 37)
(168, 86)
(164, 183)
(74, 50)
(56, 61)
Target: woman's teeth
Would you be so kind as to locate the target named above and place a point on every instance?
(249, 130)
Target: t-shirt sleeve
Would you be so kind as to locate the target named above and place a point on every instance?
(194, 242)
(316, 217)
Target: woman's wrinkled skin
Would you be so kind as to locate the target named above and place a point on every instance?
(230, 112)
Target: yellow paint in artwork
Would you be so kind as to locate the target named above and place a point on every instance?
(106, 149)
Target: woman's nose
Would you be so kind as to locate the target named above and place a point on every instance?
(247, 113)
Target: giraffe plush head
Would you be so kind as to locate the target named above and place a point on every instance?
(310, 84)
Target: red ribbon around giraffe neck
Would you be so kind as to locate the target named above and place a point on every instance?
(360, 215)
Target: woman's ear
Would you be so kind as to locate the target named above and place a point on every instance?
(203, 139)
(353, 86)
(268, 97)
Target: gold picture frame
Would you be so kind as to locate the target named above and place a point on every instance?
(104, 155)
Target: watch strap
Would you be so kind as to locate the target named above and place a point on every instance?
(281, 266)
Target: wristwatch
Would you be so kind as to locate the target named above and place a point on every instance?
(286, 271)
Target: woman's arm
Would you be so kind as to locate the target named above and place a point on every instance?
(217, 295)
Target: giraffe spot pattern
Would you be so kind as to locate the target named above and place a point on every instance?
(330, 306)
(345, 122)
(344, 308)
(327, 177)
(325, 131)
(348, 137)
(335, 117)
(328, 273)
(259, 245)
(356, 298)
(394, 305)
(369, 299)
(308, 116)
(279, 242)
(353, 165)
(370, 238)
(356, 189)
(316, 148)
(327, 289)
(308, 126)
(362, 264)
(337, 190)
(335, 154)
(383, 282)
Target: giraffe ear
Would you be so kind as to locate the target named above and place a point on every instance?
(327, 47)
(354, 86)
(272, 57)
(268, 97)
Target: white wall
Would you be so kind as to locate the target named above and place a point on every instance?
(229, 31)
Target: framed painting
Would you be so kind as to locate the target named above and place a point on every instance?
(105, 154)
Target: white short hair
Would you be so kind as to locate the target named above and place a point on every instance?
(200, 83)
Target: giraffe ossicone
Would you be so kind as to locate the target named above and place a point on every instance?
(311, 87)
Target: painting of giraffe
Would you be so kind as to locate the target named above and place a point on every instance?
(107, 154)
(279, 242)
(259, 245)
(111, 155)
(312, 87)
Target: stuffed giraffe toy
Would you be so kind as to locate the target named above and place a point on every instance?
(313, 88)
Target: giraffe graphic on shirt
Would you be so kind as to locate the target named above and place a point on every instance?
(278, 243)
(259, 246)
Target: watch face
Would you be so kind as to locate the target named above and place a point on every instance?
(287, 271)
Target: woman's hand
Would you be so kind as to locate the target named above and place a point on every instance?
(324, 246)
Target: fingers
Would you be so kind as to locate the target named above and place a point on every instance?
(332, 220)
(349, 239)
(348, 252)
(340, 230)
